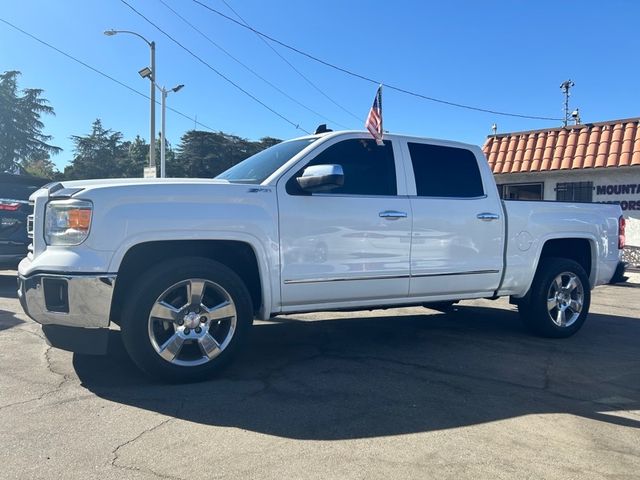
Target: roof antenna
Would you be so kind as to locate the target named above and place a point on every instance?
(322, 128)
(565, 87)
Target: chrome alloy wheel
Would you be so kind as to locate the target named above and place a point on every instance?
(192, 322)
(565, 299)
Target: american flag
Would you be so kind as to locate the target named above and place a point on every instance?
(374, 119)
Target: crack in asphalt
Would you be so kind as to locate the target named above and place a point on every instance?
(52, 391)
(116, 456)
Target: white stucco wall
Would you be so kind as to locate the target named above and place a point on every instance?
(625, 180)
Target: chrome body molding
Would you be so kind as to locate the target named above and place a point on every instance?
(386, 277)
(88, 299)
(449, 274)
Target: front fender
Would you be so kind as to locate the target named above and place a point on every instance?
(265, 250)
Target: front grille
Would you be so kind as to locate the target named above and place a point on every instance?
(30, 226)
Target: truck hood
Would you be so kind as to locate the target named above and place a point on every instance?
(115, 182)
(114, 186)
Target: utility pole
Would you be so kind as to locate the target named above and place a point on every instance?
(565, 87)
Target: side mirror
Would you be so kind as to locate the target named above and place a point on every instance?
(321, 178)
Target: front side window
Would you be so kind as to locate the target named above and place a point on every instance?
(445, 171)
(369, 169)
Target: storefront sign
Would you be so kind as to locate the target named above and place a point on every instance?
(620, 189)
(626, 189)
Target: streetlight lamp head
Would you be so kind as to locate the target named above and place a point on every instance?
(177, 88)
(110, 33)
(145, 72)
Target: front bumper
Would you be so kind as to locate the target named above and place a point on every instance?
(70, 300)
(73, 309)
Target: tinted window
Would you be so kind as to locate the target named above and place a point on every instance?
(445, 171)
(369, 169)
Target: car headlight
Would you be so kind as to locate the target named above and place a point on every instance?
(67, 222)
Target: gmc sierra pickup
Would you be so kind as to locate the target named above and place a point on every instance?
(323, 222)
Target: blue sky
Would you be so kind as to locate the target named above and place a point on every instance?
(502, 55)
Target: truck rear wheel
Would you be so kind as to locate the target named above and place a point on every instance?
(185, 319)
(558, 300)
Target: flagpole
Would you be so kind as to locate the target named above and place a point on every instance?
(380, 104)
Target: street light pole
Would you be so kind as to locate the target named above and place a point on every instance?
(164, 92)
(152, 129)
(163, 134)
(149, 73)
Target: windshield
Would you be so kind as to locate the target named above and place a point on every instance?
(257, 168)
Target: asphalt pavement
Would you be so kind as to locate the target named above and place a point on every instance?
(394, 394)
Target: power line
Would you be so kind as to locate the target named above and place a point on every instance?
(369, 79)
(99, 72)
(297, 126)
(215, 44)
(293, 67)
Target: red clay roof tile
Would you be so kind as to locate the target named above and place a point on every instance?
(627, 144)
(528, 154)
(549, 147)
(614, 149)
(635, 156)
(608, 144)
(538, 152)
(569, 152)
(517, 161)
(559, 150)
(511, 151)
(603, 146)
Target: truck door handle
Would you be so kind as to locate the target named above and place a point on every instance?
(487, 216)
(392, 214)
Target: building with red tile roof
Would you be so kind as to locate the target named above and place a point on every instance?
(593, 145)
(591, 162)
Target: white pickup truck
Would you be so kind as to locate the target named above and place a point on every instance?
(323, 222)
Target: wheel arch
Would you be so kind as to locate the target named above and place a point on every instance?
(243, 257)
(580, 248)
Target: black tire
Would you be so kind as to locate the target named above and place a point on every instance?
(444, 307)
(137, 324)
(538, 312)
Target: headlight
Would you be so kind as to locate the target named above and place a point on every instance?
(67, 222)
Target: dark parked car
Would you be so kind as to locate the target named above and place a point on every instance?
(14, 210)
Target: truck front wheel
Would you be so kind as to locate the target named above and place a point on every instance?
(558, 300)
(185, 318)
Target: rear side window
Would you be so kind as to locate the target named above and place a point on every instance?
(445, 171)
(369, 169)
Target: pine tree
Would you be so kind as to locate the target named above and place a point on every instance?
(207, 154)
(101, 154)
(21, 126)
